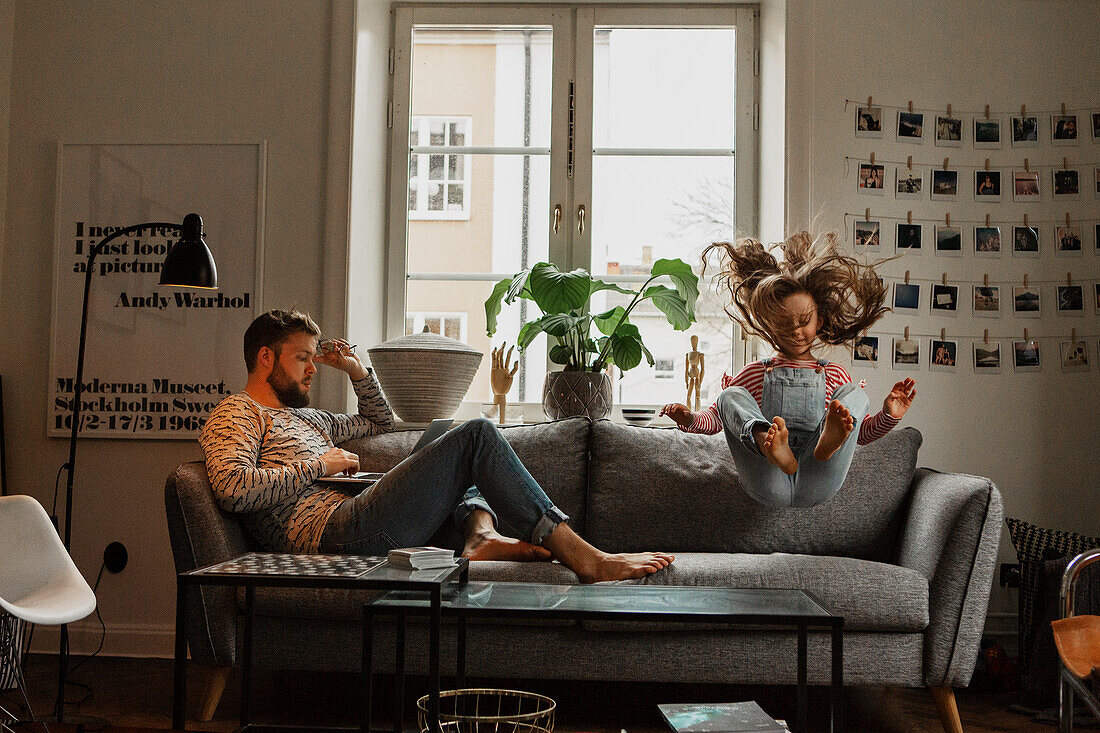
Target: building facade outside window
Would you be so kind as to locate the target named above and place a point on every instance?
(438, 186)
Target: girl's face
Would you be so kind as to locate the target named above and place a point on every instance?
(801, 311)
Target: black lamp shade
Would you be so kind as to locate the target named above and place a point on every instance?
(189, 263)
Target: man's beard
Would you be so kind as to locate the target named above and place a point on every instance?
(286, 389)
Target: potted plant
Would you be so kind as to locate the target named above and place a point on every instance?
(583, 387)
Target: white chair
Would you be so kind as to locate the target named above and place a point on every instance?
(38, 581)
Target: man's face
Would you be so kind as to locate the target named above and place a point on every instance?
(293, 370)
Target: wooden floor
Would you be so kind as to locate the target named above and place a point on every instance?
(136, 694)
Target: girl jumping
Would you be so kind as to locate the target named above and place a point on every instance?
(791, 420)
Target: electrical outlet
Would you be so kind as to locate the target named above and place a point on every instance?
(115, 557)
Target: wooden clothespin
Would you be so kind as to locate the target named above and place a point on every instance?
(872, 158)
(948, 109)
(1065, 164)
(1063, 109)
(1069, 279)
(1026, 336)
(987, 220)
(1025, 220)
(985, 280)
(907, 333)
(987, 111)
(1067, 220)
(869, 102)
(909, 162)
(943, 280)
(910, 106)
(985, 336)
(909, 217)
(1027, 165)
(943, 334)
(1025, 279)
(987, 163)
(1023, 110)
(1073, 334)
(906, 277)
(948, 219)
(867, 214)
(945, 163)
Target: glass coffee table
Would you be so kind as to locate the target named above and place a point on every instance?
(738, 607)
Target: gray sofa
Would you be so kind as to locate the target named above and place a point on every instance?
(905, 554)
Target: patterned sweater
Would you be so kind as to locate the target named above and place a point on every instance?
(751, 377)
(263, 462)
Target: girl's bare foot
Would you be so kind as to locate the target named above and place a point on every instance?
(838, 424)
(776, 449)
(491, 545)
(623, 566)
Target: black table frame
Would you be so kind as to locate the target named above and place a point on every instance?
(833, 623)
(433, 589)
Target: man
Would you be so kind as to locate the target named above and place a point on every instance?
(265, 451)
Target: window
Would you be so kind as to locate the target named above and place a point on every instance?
(438, 186)
(601, 137)
(451, 325)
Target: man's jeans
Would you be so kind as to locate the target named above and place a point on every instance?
(445, 479)
(815, 481)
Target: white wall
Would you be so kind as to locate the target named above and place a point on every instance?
(1033, 434)
(155, 71)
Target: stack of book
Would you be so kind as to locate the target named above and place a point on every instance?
(421, 558)
(730, 717)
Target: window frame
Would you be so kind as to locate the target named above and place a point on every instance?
(572, 72)
(423, 168)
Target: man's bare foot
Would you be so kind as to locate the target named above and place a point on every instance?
(623, 566)
(776, 449)
(838, 424)
(491, 545)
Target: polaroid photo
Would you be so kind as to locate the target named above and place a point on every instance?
(1071, 300)
(987, 241)
(987, 185)
(1097, 303)
(1075, 356)
(1025, 185)
(908, 237)
(909, 184)
(1096, 238)
(1096, 177)
(1025, 241)
(949, 241)
(1025, 355)
(987, 301)
(1025, 132)
(949, 131)
(865, 351)
(1025, 301)
(910, 127)
(871, 179)
(945, 185)
(1067, 183)
(1067, 241)
(868, 121)
(942, 355)
(1096, 126)
(1063, 129)
(987, 357)
(987, 133)
(906, 354)
(906, 297)
(945, 299)
(867, 235)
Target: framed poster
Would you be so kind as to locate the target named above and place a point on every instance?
(157, 359)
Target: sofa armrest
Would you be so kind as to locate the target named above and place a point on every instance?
(951, 536)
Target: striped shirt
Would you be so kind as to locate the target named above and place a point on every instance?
(264, 462)
(751, 377)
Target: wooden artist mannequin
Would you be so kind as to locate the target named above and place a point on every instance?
(694, 369)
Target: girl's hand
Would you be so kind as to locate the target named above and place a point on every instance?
(680, 414)
(339, 354)
(900, 398)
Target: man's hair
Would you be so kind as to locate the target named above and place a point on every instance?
(271, 329)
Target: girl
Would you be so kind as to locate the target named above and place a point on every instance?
(791, 420)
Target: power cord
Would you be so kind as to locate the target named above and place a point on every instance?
(88, 692)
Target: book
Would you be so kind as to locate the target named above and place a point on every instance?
(728, 717)
(421, 558)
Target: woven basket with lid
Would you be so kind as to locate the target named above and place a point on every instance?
(425, 375)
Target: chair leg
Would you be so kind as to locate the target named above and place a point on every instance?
(213, 688)
(948, 710)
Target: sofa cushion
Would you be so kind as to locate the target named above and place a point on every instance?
(662, 489)
(556, 454)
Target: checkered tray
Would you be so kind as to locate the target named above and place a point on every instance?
(291, 565)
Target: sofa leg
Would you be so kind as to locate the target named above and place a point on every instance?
(948, 710)
(213, 687)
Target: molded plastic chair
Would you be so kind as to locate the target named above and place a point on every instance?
(38, 581)
(1078, 642)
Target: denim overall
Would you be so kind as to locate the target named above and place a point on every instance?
(798, 396)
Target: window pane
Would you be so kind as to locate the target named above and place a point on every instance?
(663, 207)
(456, 165)
(435, 133)
(498, 76)
(435, 197)
(454, 197)
(458, 133)
(663, 88)
(435, 167)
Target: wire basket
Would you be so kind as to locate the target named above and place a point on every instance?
(475, 710)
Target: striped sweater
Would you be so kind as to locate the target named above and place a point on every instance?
(751, 377)
(263, 462)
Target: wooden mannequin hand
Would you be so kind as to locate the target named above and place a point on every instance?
(501, 375)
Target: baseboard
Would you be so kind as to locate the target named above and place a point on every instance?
(121, 640)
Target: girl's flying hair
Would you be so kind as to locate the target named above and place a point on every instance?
(849, 295)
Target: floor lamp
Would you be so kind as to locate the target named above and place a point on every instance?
(188, 264)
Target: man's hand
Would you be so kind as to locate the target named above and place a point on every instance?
(338, 460)
(338, 353)
(900, 398)
(680, 414)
